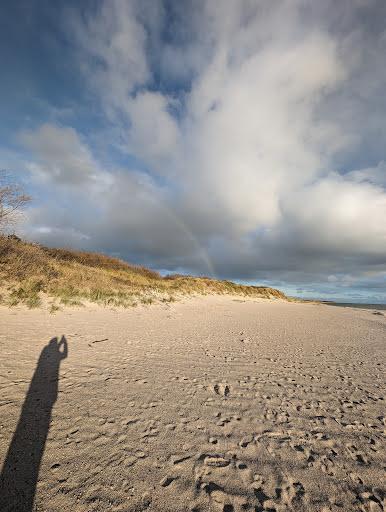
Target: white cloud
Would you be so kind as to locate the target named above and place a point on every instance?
(114, 45)
(60, 156)
(375, 175)
(338, 216)
(272, 101)
(114, 42)
(153, 132)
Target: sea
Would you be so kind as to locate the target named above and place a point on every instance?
(379, 307)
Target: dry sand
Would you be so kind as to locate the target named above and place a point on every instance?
(214, 404)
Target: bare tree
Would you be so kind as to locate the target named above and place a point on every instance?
(12, 200)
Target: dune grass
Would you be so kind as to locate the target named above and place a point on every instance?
(30, 273)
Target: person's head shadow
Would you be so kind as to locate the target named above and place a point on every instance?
(57, 349)
(20, 470)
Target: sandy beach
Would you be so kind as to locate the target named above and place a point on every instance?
(211, 404)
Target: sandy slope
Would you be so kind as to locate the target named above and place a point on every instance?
(212, 404)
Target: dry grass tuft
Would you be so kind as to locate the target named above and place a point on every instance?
(29, 272)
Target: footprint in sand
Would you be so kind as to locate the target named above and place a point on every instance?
(357, 456)
(130, 460)
(246, 440)
(292, 492)
(167, 480)
(222, 480)
(222, 389)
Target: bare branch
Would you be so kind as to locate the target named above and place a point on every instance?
(12, 200)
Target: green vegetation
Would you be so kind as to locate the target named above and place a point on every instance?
(30, 272)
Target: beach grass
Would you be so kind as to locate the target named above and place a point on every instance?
(30, 272)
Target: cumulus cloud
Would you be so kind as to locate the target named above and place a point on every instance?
(60, 156)
(248, 120)
(154, 132)
(375, 175)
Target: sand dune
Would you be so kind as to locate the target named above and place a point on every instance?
(214, 404)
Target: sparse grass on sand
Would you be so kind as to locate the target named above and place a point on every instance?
(30, 273)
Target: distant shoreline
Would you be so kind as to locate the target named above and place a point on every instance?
(355, 305)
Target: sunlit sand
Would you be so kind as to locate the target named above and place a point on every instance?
(214, 404)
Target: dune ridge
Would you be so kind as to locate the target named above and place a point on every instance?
(35, 275)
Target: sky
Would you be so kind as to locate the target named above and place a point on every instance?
(241, 139)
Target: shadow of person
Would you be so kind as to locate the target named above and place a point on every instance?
(20, 471)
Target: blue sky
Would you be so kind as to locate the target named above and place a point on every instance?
(244, 142)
